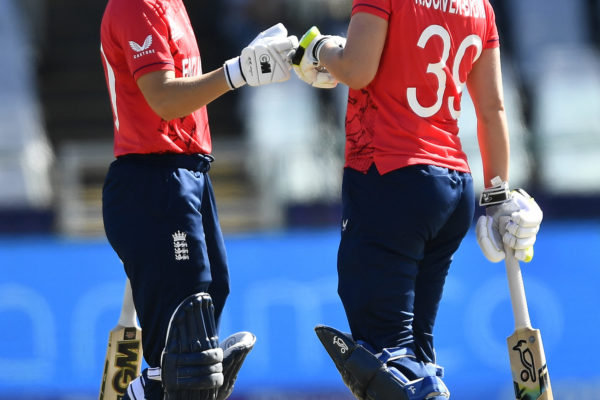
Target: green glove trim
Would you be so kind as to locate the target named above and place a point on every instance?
(305, 41)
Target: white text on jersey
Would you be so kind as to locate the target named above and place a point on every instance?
(190, 66)
(467, 8)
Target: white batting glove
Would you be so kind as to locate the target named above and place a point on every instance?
(305, 60)
(512, 218)
(265, 60)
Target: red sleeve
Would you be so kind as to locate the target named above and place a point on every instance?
(141, 30)
(380, 8)
(492, 39)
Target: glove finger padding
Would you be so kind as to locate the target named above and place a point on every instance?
(520, 231)
(319, 78)
(525, 255)
(235, 349)
(489, 239)
(516, 243)
(266, 61)
(306, 62)
(516, 219)
(324, 80)
(523, 226)
(277, 30)
(529, 213)
(191, 362)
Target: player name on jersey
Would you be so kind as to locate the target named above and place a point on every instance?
(466, 8)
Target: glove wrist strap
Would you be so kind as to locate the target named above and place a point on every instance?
(319, 45)
(496, 194)
(317, 48)
(492, 196)
(233, 73)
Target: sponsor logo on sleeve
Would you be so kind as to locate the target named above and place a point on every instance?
(143, 49)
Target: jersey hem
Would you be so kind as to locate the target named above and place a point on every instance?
(384, 166)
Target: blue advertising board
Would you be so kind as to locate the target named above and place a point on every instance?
(59, 298)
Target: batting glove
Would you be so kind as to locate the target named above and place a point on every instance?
(305, 60)
(512, 218)
(265, 60)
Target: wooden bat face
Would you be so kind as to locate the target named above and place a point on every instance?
(528, 365)
(123, 361)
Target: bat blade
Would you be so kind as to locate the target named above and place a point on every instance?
(124, 352)
(528, 365)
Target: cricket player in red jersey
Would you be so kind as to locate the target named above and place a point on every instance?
(407, 192)
(158, 203)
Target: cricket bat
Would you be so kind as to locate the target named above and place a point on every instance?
(526, 351)
(124, 353)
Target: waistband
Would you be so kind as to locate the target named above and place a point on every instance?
(193, 162)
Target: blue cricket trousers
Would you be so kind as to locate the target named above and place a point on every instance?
(399, 233)
(161, 219)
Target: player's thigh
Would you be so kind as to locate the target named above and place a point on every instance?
(400, 211)
(153, 222)
(438, 255)
(455, 220)
(219, 269)
(152, 219)
(377, 258)
(387, 222)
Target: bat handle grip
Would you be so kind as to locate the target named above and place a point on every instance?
(128, 315)
(517, 290)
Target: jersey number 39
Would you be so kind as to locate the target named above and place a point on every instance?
(438, 70)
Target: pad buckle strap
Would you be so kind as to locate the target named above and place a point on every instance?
(154, 373)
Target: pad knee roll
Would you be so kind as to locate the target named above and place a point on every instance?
(363, 373)
(370, 377)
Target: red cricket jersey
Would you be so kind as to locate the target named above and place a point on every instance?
(142, 36)
(408, 114)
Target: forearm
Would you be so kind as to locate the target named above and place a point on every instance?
(356, 64)
(485, 87)
(343, 66)
(494, 146)
(172, 97)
